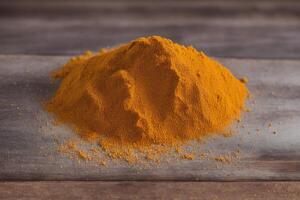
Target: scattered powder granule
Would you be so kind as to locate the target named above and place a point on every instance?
(83, 155)
(203, 155)
(223, 159)
(247, 110)
(244, 80)
(102, 163)
(189, 156)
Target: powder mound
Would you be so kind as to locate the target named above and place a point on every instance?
(150, 91)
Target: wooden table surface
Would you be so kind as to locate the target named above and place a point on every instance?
(251, 29)
(28, 150)
(268, 32)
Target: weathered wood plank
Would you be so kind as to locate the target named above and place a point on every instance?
(150, 190)
(28, 152)
(259, 29)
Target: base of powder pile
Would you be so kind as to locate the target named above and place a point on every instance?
(87, 151)
(218, 149)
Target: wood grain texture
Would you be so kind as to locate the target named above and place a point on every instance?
(257, 29)
(29, 152)
(150, 190)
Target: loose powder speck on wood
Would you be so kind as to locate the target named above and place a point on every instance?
(150, 92)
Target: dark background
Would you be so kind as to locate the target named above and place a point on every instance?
(253, 29)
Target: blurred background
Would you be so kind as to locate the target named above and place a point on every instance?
(233, 28)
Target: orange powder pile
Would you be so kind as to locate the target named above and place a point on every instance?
(148, 92)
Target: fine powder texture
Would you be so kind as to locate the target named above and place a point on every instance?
(150, 91)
